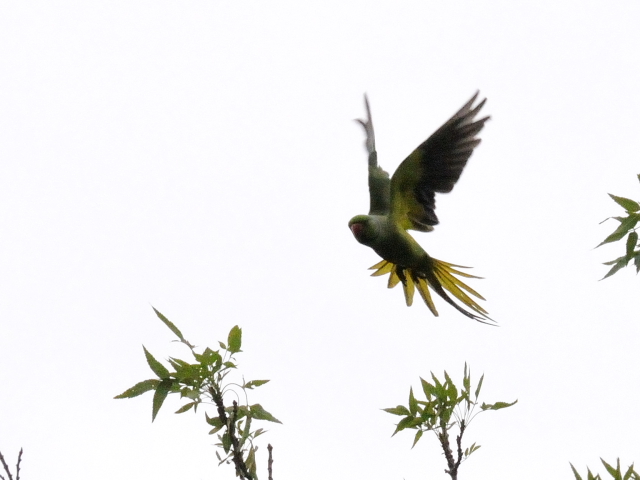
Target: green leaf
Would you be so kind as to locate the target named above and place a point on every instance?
(159, 369)
(471, 449)
(406, 422)
(260, 413)
(417, 437)
(235, 339)
(636, 261)
(139, 388)
(479, 386)
(171, 326)
(631, 473)
(627, 224)
(161, 394)
(413, 405)
(614, 472)
(622, 262)
(626, 203)
(250, 462)
(399, 410)
(575, 472)
(226, 442)
(497, 405)
(213, 421)
(208, 357)
(246, 431)
(466, 379)
(186, 407)
(254, 383)
(632, 240)
(428, 389)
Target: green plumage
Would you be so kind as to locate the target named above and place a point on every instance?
(407, 202)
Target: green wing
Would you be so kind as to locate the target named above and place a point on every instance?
(434, 167)
(379, 183)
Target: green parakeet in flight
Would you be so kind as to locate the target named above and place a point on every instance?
(407, 202)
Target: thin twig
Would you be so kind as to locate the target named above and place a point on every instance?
(18, 465)
(270, 463)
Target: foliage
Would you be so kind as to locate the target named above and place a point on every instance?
(615, 473)
(204, 382)
(6, 467)
(443, 408)
(626, 228)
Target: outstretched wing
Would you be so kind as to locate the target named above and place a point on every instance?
(434, 167)
(379, 183)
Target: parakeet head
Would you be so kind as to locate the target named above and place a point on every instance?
(364, 229)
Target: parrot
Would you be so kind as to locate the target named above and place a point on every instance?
(407, 202)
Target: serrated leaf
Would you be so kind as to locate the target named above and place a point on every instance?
(161, 394)
(139, 388)
(255, 383)
(417, 437)
(235, 339)
(406, 422)
(399, 410)
(428, 389)
(260, 413)
(186, 407)
(626, 203)
(157, 368)
(497, 405)
(169, 324)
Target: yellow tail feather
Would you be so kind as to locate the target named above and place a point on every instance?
(440, 276)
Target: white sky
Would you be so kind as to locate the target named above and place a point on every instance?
(201, 157)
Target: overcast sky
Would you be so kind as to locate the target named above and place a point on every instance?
(201, 157)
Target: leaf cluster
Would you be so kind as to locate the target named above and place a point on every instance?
(627, 228)
(615, 473)
(444, 406)
(203, 381)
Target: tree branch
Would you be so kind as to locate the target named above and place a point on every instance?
(238, 460)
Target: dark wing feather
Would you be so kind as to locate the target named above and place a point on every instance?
(379, 183)
(435, 166)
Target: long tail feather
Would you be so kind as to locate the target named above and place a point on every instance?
(441, 277)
